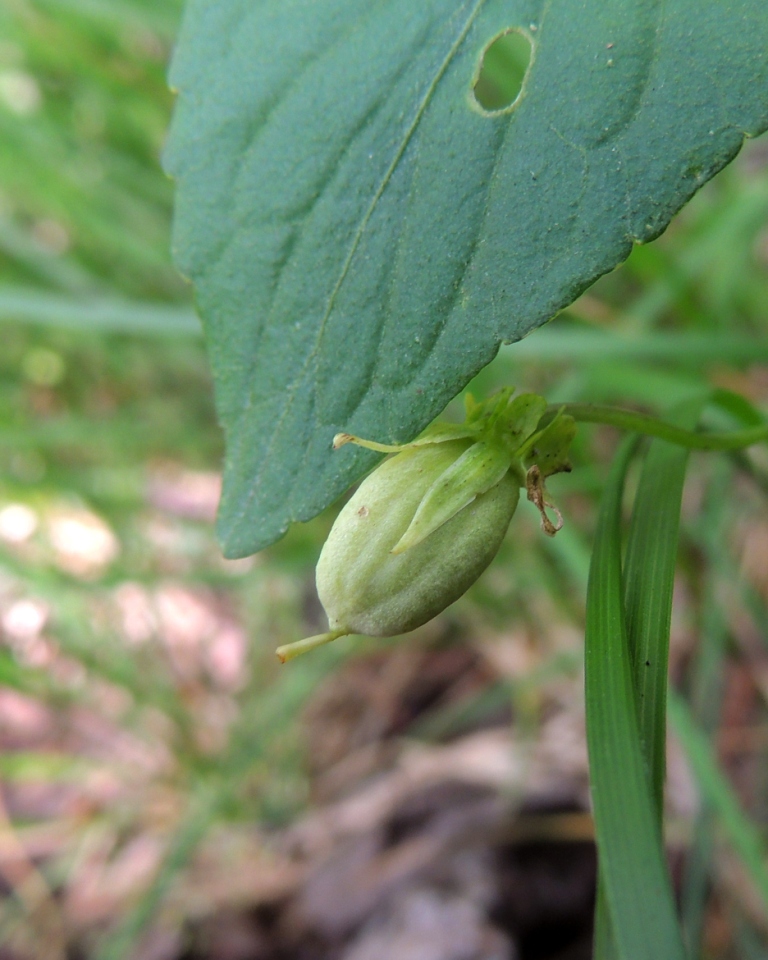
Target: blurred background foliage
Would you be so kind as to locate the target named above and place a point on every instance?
(157, 765)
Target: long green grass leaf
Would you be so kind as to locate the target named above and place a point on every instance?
(648, 583)
(203, 807)
(649, 576)
(604, 942)
(706, 680)
(110, 315)
(632, 863)
(551, 345)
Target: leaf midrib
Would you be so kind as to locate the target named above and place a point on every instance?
(293, 388)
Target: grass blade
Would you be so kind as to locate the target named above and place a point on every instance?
(202, 811)
(634, 872)
(604, 943)
(706, 686)
(741, 834)
(649, 576)
(648, 583)
(103, 314)
(551, 344)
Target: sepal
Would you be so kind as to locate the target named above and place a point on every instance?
(477, 470)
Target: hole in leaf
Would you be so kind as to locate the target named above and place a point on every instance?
(503, 67)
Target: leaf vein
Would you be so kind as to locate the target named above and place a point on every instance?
(292, 389)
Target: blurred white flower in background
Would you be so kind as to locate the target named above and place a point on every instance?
(25, 619)
(17, 523)
(83, 544)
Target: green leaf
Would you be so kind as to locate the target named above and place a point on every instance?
(553, 343)
(635, 883)
(603, 942)
(363, 236)
(97, 314)
(649, 578)
(649, 574)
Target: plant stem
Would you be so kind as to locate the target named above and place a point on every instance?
(651, 426)
(290, 650)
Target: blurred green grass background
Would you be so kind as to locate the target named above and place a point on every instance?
(140, 691)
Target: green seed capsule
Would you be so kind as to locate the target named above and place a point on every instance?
(425, 524)
(365, 588)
